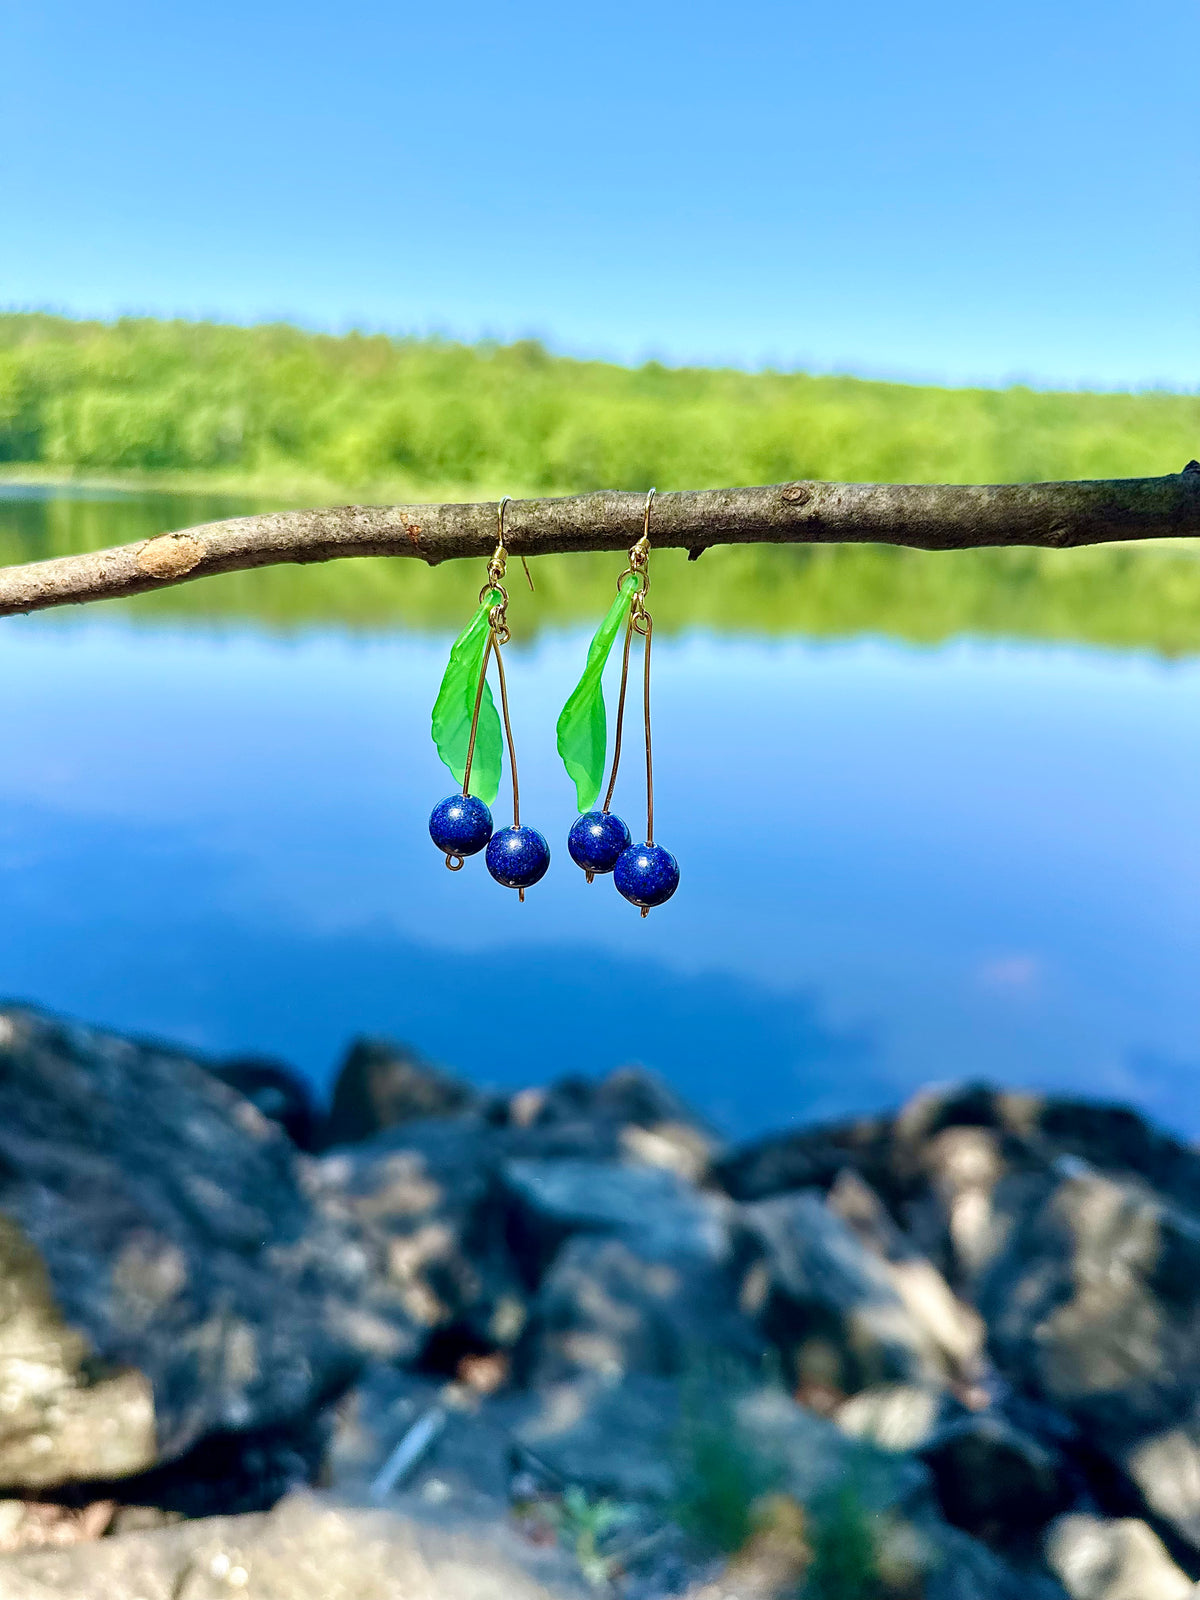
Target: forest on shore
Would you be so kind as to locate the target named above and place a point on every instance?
(272, 405)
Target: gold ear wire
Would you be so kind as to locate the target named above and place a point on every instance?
(500, 510)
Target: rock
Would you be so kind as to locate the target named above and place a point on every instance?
(831, 1304)
(644, 1273)
(32, 1525)
(955, 1329)
(804, 1158)
(276, 1091)
(960, 1140)
(630, 1095)
(654, 1439)
(996, 1482)
(162, 1276)
(1093, 1300)
(647, 1204)
(958, 1567)
(466, 1468)
(308, 1548)
(225, 1474)
(644, 1276)
(894, 1416)
(427, 1202)
(381, 1085)
(613, 1440)
(630, 1113)
(611, 1306)
(815, 1458)
(1098, 1559)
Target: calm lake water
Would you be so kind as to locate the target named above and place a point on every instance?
(904, 858)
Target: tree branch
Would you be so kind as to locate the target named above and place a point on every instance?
(926, 516)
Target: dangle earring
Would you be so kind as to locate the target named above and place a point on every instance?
(646, 874)
(466, 731)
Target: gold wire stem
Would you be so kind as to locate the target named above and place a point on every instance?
(508, 734)
(647, 632)
(512, 749)
(616, 760)
(487, 650)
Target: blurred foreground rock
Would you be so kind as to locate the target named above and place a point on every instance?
(308, 1548)
(563, 1340)
(162, 1277)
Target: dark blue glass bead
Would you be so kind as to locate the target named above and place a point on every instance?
(518, 857)
(461, 825)
(596, 840)
(646, 874)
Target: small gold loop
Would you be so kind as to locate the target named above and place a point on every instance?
(498, 622)
(455, 862)
(639, 554)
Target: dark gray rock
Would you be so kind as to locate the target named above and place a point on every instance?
(628, 1096)
(958, 1141)
(465, 1465)
(831, 1304)
(952, 1328)
(805, 1158)
(958, 1567)
(610, 1439)
(610, 1307)
(996, 1482)
(1092, 1295)
(630, 1115)
(383, 1084)
(644, 1275)
(428, 1204)
(275, 1090)
(162, 1276)
(647, 1204)
(816, 1458)
(646, 1439)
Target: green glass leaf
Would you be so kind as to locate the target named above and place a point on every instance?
(582, 729)
(455, 706)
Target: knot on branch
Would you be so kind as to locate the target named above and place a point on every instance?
(171, 555)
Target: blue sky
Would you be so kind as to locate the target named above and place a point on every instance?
(954, 192)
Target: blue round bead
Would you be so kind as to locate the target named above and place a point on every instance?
(461, 825)
(518, 857)
(646, 874)
(596, 840)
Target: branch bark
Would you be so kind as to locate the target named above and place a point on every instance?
(925, 516)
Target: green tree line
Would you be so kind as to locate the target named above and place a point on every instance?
(269, 403)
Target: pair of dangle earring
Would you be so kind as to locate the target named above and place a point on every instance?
(466, 731)
(600, 842)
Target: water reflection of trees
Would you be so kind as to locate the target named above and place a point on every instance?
(1115, 596)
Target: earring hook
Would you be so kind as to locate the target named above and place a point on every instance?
(500, 510)
(646, 519)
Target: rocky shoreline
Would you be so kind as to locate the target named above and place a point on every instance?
(438, 1344)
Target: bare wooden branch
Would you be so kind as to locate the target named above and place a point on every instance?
(925, 516)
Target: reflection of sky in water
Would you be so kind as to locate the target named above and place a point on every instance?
(897, 864)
